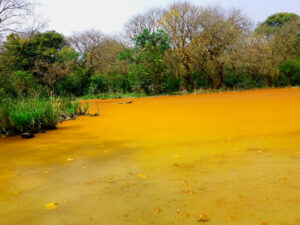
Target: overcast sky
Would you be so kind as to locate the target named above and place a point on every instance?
(109, 16)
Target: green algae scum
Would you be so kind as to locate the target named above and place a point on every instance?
(219, 159)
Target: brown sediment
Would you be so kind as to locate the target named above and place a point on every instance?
(233, 157)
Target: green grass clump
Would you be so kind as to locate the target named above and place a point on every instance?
(113, 95)
(35, 114)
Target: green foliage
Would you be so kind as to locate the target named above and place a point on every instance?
(18, 115)
(291, 70)
(147, 59)
(24, 52)
(239, 81)
(45, 55)
(28, 115)
(200, 79)
(98, 84)
(242, 80)
(169, 84)
(278, 19)
(102, 83)
(74, 84)
(19, 83)
(113, 95)
(119, 83)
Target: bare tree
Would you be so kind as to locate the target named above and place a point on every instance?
(87, 43)
(99, 52)
(181, 23)
(222, 33)
(34, 24)
(147, 20)
(265, 50)
(12, 14)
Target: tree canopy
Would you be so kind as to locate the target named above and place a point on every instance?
(278, 19)
(183, 47)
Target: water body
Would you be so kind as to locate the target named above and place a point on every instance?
(219, 159)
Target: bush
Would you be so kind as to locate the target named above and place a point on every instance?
(281, 80)
(169, 84)
(241, 80)
(200, 79)
(20, 83)
(98, 84)
(76, 84)
(119, 83)
(291, 70)
(18, 115)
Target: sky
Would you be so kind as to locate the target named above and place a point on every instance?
(109, 16)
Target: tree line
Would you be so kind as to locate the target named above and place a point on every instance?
(183, 47)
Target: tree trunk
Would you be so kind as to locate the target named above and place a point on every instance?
(186, 82)
(220, 76)
(187, 78)
(267, 80)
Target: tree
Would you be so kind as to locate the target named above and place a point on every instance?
(278, 19)
(222, 34)
(46, 55)
(272, 43)
(98, 52)
(204, 39)
(291, 69)
(181, 23)
(147, 57)
(12, 14)
(147, 20)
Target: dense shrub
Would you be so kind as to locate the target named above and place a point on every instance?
(20, 83)
(119, 83)
(75, 84)
(240, 81)
(99, 83)
(291, 70)
(200, 79)
(169, 83)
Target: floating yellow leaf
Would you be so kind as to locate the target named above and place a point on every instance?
(143, 176)
(158, 210)
(51, 206)
(187, 215)
(202, 217)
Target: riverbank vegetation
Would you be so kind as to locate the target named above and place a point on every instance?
(36, 114)
(181, 48)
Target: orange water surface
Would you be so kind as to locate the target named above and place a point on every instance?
(220, 159)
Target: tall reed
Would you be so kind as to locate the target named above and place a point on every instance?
(35, 114)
